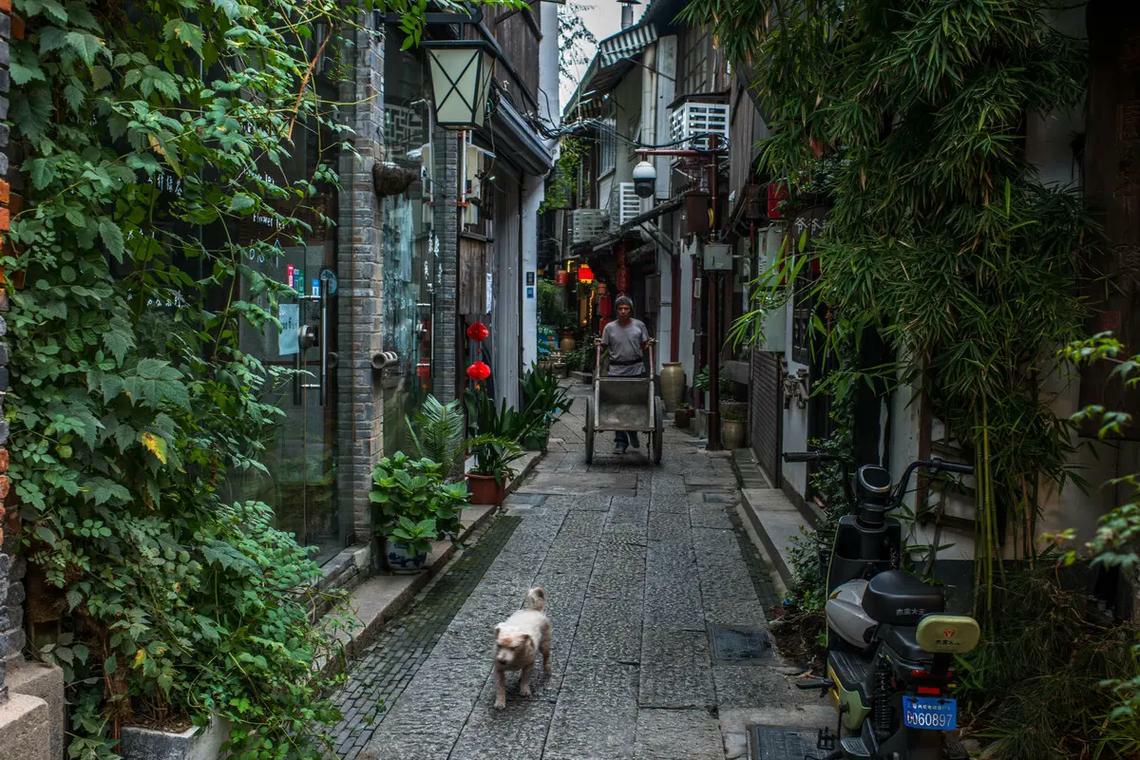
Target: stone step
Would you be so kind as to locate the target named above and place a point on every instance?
(25, 728)
(778, 523)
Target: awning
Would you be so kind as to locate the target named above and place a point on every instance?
(517, 141)
(627, 43)
(607, 69)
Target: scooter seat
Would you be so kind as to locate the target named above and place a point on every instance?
(896, 598)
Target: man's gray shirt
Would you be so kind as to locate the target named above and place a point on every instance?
(624, 344)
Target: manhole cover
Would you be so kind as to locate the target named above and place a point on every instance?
(782, 743)
(736, 643)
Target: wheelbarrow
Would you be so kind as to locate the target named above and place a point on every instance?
(625, 403)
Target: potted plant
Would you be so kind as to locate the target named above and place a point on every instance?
(545, 399)
(436, 430)
(414, 507)
(494, 435)
(487, 479)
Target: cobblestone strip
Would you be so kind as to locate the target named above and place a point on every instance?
(386, 668)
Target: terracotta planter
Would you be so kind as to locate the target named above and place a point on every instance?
(682, 418)
(568, 344)
(485, 490)
(672, 384)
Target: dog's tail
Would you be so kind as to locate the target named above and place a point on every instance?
(535, 599)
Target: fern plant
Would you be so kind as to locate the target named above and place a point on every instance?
(437, 432)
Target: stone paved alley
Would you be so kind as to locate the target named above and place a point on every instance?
(640, 565)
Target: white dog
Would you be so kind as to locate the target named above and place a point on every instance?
(517, 639)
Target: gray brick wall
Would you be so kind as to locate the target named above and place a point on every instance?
(360, 409)
(446, 222)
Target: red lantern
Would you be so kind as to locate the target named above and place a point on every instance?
(561, 278)
(478, 332)
(604, 305)
(585, 274)
(478, 371)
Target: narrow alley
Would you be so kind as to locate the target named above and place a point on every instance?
(656, 597)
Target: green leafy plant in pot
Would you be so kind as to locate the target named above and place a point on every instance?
(495, 432)
(544, 400)
(413, 508)
(487, 479)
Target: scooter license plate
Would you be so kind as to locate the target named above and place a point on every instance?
(930, 713)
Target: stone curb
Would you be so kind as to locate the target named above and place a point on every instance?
(776, 520)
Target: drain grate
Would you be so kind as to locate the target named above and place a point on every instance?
(738, 643)
(782, 743)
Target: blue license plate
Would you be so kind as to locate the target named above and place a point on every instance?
(930, 713)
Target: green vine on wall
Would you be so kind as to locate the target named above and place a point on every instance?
(561, 188)
(155, 138)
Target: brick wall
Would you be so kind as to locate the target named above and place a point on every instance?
(445, 219)
(11, 574)
(360, 411)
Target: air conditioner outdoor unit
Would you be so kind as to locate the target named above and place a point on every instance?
(692, 122)
(629, 203)
(586, 224)
(474, 171)
(624, 204)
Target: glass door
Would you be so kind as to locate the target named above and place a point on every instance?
(302, 355)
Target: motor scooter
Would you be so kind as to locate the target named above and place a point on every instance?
(890, 644)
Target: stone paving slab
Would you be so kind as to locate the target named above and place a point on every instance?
(672, 587)
(675, 669)
(669, 526)
(678, 735)
(573, 484)
(596, 715)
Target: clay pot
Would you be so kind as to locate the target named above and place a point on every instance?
(732, 434)
(568, 343)
(485, 489)
(672, 384)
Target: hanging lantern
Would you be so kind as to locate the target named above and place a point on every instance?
(561, 278)
(585, 274)
(478, 332)
(478, 371)
(605, 306)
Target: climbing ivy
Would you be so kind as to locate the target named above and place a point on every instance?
(561, 188)
(154, 137)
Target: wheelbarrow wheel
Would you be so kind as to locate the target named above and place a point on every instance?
(589, 432)
(658, 429)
